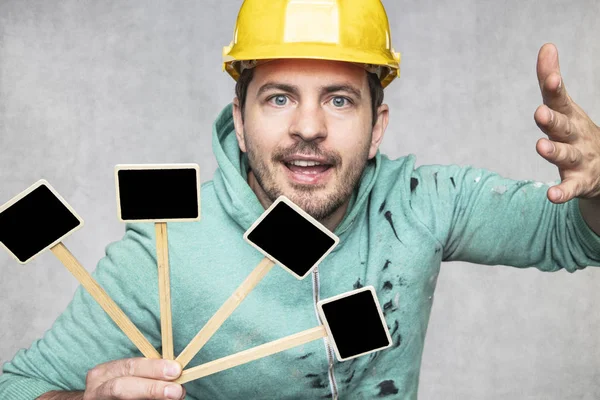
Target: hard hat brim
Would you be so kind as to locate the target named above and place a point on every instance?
(316, 51)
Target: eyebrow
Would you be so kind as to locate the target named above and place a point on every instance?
(278, 86)
(295, 90)
(342, 88)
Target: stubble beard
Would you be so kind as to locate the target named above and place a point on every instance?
(318, 205)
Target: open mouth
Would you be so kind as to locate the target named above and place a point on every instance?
(307, 171)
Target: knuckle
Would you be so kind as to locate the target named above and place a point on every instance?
(559, 126)
(115, 388)
(554, 119)
(569, 131)
(574, 157)
(567, 156)
(158, 368)
(560, 155)
(155, 391)
(579, 156)
(93, 375)
(129, 367)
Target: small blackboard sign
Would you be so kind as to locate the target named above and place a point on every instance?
(355, 323)
(35, 220)
(158, 192)
(291, 237)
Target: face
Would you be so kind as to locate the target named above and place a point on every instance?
(308, 132)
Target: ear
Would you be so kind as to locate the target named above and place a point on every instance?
(383, 114)
(239, 124)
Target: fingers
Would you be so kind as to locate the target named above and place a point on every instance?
(556, 125)
(564, 156)
(547, 62)
(133, 388)
(553, 90)
(555, 95)
(136, 367)
(567, 190)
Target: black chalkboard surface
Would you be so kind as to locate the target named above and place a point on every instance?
(35, 220)
(158, 192)
(355, 323)
(292, 238)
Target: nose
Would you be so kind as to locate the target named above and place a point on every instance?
(309, 123)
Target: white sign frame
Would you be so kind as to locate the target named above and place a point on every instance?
(121, 167)
(347, 294)
(24, 193)
(304, 214)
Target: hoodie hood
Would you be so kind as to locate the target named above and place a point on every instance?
(240, 201)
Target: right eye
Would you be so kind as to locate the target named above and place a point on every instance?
(279, 100)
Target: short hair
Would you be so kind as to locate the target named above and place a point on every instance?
(375, 89)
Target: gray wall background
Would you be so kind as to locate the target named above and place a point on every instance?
(85, 85)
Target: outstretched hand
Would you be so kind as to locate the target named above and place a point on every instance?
(573, 143)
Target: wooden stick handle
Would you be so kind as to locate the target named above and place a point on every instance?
(104, 300)
(164, 289)
(252, 354)
(225, 311)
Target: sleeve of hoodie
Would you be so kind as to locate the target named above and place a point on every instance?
(84, 336)
(481, 217)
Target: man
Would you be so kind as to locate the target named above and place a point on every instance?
(307, 122)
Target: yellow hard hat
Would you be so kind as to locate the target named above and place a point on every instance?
(355, 31)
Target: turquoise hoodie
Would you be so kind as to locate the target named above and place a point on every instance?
(402, 223)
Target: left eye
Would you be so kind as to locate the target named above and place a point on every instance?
(280, 100)
(339, 101)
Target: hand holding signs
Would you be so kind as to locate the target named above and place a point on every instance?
(39, 219)
(353, 322)
(286, 235)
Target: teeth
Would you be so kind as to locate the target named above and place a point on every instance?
(300, 163)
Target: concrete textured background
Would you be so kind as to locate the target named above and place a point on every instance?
(85, 85)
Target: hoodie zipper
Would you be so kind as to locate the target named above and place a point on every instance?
(328, 349)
